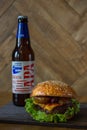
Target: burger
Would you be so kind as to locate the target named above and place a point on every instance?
(52, 101)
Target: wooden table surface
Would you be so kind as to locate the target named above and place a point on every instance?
(6, 97)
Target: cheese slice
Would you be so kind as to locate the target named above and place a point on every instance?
(41, 105)
(48, 107)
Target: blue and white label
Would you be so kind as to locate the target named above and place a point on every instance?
(22, 76)
(16, 69)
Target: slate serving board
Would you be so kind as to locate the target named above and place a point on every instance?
(13, 114)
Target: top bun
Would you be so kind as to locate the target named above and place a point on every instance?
(53, 88)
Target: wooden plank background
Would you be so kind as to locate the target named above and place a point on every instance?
(58, 31)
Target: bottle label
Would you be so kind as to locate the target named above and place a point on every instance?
(22, 77)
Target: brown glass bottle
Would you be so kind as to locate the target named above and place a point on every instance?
(22, 64)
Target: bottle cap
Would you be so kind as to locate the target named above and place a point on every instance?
(22, 18)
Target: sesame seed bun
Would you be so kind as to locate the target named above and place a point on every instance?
(53, 88)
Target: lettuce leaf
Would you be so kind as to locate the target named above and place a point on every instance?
(43, 117)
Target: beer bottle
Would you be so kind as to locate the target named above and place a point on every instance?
(22, 64)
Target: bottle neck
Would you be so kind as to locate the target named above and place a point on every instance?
(22, 33)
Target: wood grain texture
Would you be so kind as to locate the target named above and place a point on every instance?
(58, 31)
